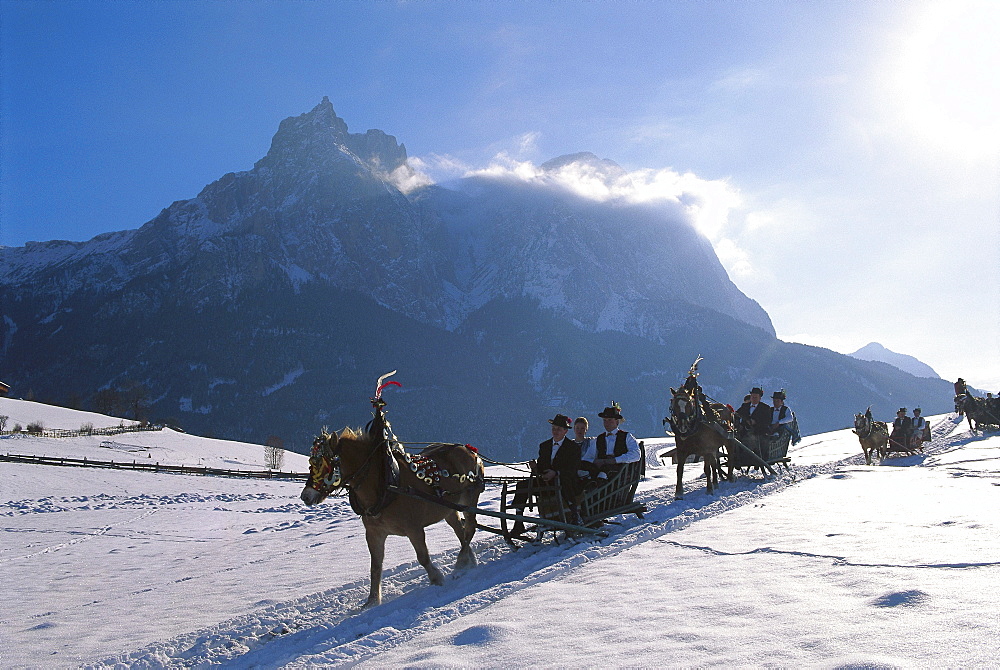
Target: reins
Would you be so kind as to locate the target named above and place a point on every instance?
(514, 466)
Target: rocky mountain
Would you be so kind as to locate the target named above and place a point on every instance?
(873, 351)
(270, 303)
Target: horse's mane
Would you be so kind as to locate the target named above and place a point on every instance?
(356, 434)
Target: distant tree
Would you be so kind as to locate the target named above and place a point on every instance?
(35, 427)
(136, 400)
(108, 402)
(3, 421)
(274, 452)
(74, 401)
(87, 428)
(30, 395)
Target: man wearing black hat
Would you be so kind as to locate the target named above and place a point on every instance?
(901, 429)
(557, 455)
(781, 414)
(613, 447)
(753, 415)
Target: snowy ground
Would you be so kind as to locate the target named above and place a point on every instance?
(841, 565)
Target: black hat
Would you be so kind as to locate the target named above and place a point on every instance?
(779, 394)
(916, 410)
(758, 390)
(561, 421)
(901, 409)
(613, 412)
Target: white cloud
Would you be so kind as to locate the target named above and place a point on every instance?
(734, 259)
(407, 178)
(713, 207)
(709, 204)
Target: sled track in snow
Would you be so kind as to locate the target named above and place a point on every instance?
(328, 628)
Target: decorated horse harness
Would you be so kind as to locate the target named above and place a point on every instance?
(325, 469)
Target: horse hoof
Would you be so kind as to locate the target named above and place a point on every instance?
(371, 602)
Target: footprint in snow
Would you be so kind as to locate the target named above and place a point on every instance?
(901, 599)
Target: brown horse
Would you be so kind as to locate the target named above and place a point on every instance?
(873, 435)
(369, 467)
(694, 434)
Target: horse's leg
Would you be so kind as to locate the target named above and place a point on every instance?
(419, 542)
(731, 455)
(466, 557)
(376, 547)
(709, 471)
(679, 491)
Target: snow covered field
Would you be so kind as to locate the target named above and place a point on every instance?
(842, 565)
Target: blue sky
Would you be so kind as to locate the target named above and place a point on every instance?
(855, 144)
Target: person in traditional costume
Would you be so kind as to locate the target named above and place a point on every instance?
(781, 414)
(754, 416)
(902, 427)
(612, 448)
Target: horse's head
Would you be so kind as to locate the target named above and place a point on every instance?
(860, 422)
(324, 469)
(683, 408)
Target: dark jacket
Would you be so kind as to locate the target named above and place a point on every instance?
(759, 422)
(566, 461)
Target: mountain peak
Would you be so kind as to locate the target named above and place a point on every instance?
(319, 134)
(873, 351)
(607, 169)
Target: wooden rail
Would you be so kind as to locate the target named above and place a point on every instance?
(60, 432)
(152, 467)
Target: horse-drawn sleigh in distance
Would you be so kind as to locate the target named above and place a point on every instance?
(982, 413)
(907, 437)
(726, 439)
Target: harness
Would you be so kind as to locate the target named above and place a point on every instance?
(872, 426)
(389, 453)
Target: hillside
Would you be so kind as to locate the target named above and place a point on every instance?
(823, 568)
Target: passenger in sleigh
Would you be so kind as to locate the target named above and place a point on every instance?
(921, 431)
(781, 414)
(754, 417)
(902, 428)
(560, 456)
(611, 449)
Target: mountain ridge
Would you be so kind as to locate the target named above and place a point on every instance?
(503, 299)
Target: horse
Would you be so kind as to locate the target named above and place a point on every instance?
(696, 435)
(981, 411)
(873, 435)
(374, 470)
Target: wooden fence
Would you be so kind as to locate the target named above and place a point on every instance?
(59, 432)
(153, 467)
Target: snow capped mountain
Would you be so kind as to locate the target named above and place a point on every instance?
(262, 306)
(873, 351)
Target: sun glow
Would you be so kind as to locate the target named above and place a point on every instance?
(949, 76)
